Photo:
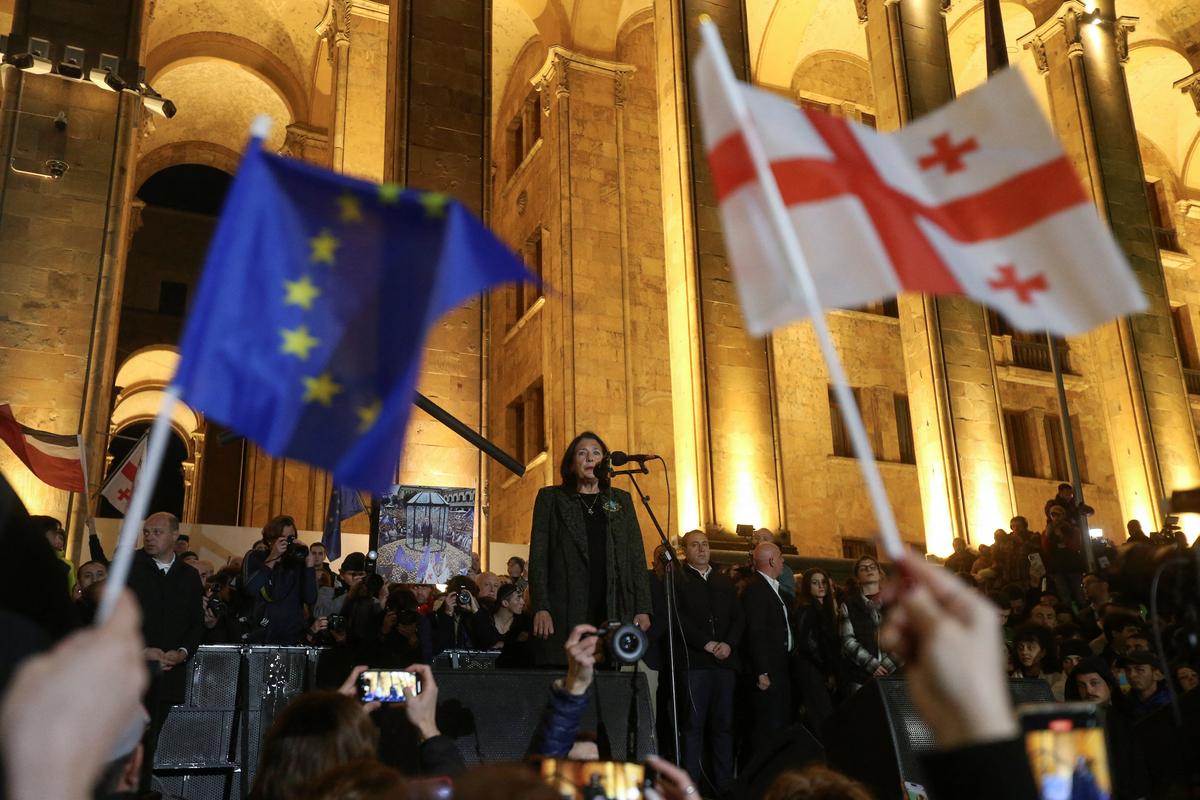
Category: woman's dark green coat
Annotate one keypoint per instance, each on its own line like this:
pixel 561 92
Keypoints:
pixel 558 564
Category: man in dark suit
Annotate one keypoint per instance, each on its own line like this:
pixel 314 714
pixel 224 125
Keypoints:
pixel 710 621
pixel 171 598
pixel 769 643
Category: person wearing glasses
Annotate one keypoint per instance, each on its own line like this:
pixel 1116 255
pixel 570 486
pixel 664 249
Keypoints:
pixel 170 595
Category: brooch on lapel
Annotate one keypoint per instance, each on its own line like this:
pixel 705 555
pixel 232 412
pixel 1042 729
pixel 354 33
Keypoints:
pixel 611 506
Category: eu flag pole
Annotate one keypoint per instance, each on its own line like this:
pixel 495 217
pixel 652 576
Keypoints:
pixel 311 314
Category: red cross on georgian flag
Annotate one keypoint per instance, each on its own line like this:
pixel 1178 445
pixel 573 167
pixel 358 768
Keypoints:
pixel 976 198
pixel 119 486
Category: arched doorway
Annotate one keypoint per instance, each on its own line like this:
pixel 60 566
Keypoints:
pixel 169 491
pixel 178 212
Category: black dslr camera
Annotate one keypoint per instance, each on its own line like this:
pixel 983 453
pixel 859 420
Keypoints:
pixel 296 554
pixel 626 643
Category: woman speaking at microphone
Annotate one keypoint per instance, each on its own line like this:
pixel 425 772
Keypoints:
pixel 586 559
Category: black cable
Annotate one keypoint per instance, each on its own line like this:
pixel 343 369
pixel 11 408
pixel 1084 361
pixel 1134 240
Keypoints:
pixel 678 623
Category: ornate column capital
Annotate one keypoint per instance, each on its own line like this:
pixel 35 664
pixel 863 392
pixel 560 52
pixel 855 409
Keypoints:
pixel 1069 20
pixel 1124 27
pixel 1190 86
pixel 556 73
pixel 1065 21
pixel 860 8
pixel 136 207
pixel 305 143
pixel 334 26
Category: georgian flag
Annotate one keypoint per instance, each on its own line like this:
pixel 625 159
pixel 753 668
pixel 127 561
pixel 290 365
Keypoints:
pixel 55 459
pixel 119 488
pixel 976 198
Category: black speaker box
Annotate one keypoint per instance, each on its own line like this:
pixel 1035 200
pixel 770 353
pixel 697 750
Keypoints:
pixel 877 737
pixel 493 714
pixel 793 747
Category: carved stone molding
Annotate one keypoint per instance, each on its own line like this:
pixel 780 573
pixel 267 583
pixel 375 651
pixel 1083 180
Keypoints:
pixel 136 207
pixel 1190 86
pixel 1065 21
pixel 1124 27
pixel 1038 48
pixel 305 143
pixel 860 8
pixel 334 26
pixel 1188 208
pixel 556 73
pixel 368 9
pixel 1068 21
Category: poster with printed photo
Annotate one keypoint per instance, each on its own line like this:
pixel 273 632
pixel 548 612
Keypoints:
pixel 426 533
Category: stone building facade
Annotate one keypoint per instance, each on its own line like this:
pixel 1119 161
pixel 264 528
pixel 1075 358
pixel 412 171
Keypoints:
pixel 570 127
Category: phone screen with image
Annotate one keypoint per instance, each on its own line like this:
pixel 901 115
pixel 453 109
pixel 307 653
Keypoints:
pixel 387 685
pixel 1067 750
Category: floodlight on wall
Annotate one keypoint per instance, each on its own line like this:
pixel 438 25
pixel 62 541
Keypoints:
pixel 153 100
pixel 35 60
pixel 158 104
pixel 71 64
pixel 106 75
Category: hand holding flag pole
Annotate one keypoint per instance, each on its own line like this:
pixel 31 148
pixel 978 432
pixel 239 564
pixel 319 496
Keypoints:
pixel 781 227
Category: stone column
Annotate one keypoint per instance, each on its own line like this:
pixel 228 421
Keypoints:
pixel 63 240
pixel 724 412
pixel 356 35
pixel 958 426
pixel 1139 373
pixel 436 138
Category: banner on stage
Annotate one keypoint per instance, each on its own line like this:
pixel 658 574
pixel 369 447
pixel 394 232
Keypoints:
pixel 426 533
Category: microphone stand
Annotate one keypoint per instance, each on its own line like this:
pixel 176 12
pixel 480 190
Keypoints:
pixel 669 559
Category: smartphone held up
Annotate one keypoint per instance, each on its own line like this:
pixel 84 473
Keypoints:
pixel 387 685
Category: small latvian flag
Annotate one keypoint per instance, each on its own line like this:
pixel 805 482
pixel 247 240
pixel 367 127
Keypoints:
pixel 53 458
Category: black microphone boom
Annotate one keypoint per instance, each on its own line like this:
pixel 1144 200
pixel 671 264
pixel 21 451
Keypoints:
pixel 620 459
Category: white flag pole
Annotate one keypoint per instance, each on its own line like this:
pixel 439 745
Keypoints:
pixel 889 535
pixel 87 487
pixel 147 477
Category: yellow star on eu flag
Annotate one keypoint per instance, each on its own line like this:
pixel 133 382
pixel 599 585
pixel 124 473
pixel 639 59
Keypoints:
pixel 323 247
pixel 367 415
pixel 435 204
pixel 298 342
pixel 389 193
pixel 301 293
pixel 351 211
pixel 321 389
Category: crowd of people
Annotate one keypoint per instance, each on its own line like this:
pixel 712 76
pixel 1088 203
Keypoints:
pixel 758 647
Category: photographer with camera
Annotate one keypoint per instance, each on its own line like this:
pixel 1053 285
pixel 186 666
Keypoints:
pixel 281 582
pixel 459 623
pixel 226 615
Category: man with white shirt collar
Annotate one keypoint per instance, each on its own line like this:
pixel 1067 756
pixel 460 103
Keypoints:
pixel 170 595
pixel 710 628
pixel 769 643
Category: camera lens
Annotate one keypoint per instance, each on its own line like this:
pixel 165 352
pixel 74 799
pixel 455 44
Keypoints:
pixel 627 644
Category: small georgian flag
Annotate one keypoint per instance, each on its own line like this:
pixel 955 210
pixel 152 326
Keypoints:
pixel 118 489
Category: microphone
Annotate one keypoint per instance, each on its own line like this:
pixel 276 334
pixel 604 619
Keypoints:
pixel 604 468
pixel 619 458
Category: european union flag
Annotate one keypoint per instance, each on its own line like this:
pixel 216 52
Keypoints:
pixel 306 332
pixel 343 504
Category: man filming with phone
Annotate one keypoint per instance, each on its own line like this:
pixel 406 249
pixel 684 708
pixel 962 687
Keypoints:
pixel 281 583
